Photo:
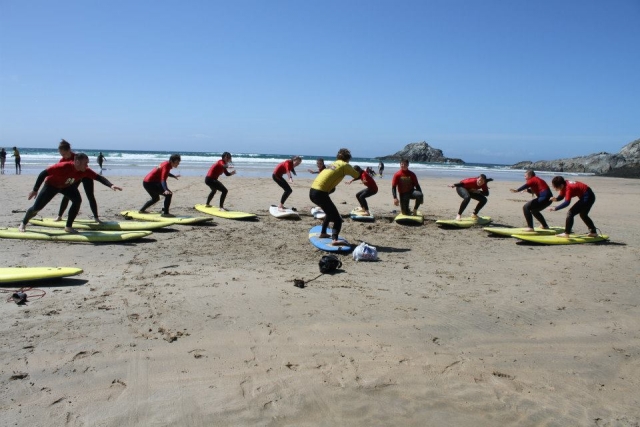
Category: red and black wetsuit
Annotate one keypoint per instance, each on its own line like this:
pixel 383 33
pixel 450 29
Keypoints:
pixel 61 178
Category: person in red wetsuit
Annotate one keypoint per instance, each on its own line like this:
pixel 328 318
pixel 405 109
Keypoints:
pixel 539 188
pixel 370 190
pixel 320 165
pixel 63 178
pixel 408 188
pixel 156 184
pixel 64 148
pixel 586 199
pixel 218 168
pixel 286 167
pixel 472 188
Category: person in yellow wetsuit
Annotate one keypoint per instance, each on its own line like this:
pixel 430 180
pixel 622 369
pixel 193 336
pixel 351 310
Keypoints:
pixel 324 184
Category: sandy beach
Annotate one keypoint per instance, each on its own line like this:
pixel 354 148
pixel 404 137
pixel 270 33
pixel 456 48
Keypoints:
pixel 202 326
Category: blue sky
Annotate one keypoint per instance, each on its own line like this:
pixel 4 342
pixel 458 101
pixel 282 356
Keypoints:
pixel 483 80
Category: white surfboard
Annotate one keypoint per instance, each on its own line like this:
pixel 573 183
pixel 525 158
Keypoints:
pixel 287 213
pixel 318 213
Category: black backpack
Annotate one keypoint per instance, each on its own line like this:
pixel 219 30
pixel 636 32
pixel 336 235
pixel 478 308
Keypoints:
pixel 329 264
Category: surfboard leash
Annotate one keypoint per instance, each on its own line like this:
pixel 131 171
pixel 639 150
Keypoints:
pixel 23 295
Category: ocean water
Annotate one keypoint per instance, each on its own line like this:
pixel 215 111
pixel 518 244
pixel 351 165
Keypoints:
pixel 139 163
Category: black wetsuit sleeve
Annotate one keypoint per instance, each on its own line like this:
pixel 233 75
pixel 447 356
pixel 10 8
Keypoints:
pixel 393 191
pixel 104 181
pixel 40 180
pixel 524 187
pixel 418 188
pixel 457 184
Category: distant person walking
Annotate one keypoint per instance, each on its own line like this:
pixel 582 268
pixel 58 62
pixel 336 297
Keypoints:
pixel 586 199
pixel 155 183
pixel 16 154
pixel 380 168
pixel 539 188
pixel 3 158
pixel 286 167
pixel 101 159
pixel 63 177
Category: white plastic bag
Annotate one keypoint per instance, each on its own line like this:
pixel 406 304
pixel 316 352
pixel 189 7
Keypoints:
pixel 364 252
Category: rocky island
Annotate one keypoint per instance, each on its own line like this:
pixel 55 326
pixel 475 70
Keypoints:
pixel 421 152
pixel 624 164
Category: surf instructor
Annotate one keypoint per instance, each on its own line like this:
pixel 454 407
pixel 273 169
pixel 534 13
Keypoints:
pixel 63 178
pixel 324 184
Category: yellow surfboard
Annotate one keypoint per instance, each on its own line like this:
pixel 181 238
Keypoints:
pixel 88 224
pixel 157 216
pixel 465 222
pixel 510 231
pixel 23 274
pixel 416 219
pixel 555 240
pixel 215 211
pixel 58 235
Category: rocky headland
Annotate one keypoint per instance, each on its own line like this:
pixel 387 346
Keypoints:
pixel 421 152
pixel 624 164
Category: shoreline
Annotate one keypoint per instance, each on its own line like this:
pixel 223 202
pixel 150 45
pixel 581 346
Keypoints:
pixel 203 323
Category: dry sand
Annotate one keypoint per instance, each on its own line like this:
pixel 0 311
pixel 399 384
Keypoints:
pixel 201 325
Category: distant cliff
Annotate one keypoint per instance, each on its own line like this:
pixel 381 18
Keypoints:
pixel 421 152
pixel 624 164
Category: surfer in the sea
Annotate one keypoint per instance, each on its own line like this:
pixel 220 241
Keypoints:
pixel 472 188
pixel 586 199
pixel 370 190
pixel 321 188
pixel 63 178
pixel 405 187
pixel 539 188
pixel 218 168
pixel 286 167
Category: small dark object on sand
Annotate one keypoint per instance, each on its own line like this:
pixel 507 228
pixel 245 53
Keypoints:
pixel 19 298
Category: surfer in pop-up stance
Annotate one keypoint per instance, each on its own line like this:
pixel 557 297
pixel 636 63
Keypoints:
pixel 408 188
pixel 63 178
pixel 539 188
pixel 372 188
pixel 288 167
pixel 64 148
pixel 212 181
pixel 319 164
pixel 472 188
pixel 586 199
pixel 324 184
pixel 156 184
